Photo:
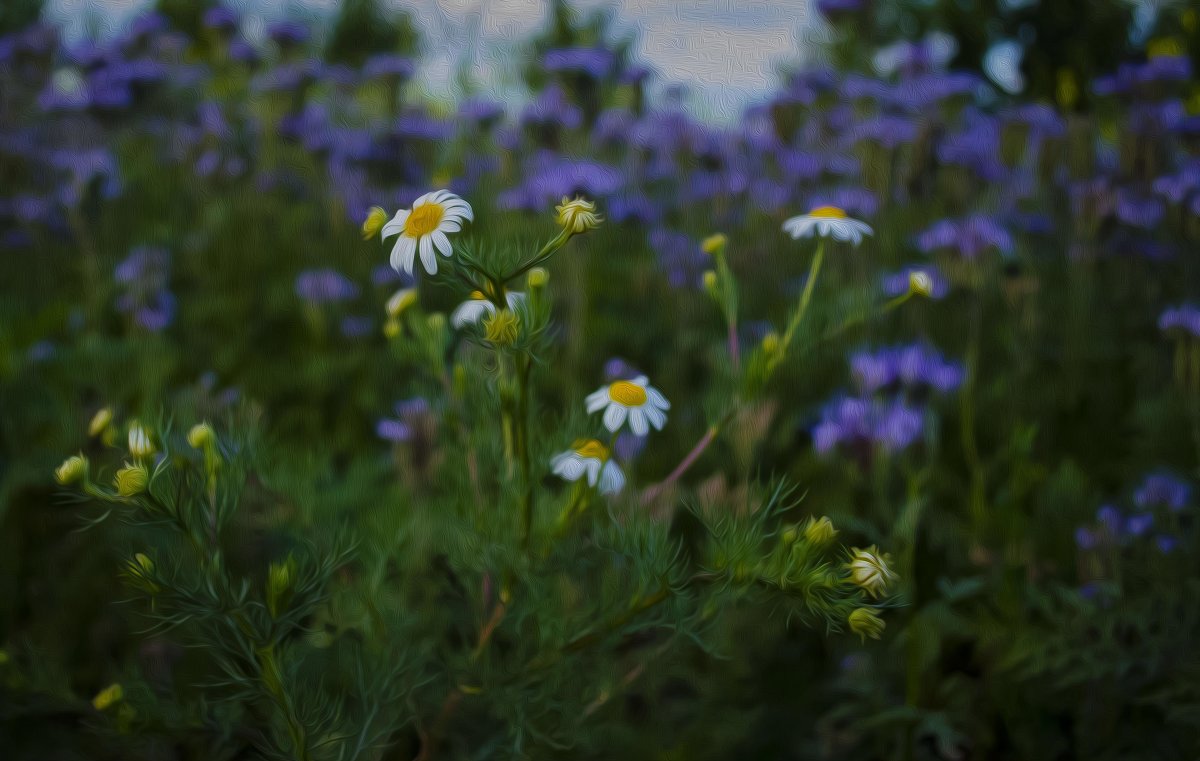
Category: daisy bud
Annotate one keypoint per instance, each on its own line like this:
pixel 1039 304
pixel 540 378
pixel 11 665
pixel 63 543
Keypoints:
pixel 374 222
pixel 131 480
pixel 201 436
pixel 108 697
pixel 400 300
pixel 770 343
pixel 710 282
pixel 140 445
pixel 820 530
pixel 920 283
pixel 790 535
pixel 279 584
pixel 502 328
pixel 391 328
pixel 869 570
pixel 537 278
pixel 578 215
pixel 139 569
pixel 866 623
pixel 73 469
pixel 100 421
pixel 714 244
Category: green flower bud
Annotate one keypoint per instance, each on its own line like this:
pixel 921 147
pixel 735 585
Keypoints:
pixel 819 530
pixel 72 470
pixel 108 697
pixel 502 328
pixel 201 435
pixel 714 244
pixel 132 480
pixel 537 278
pixel 865 622
pixel 100 421
pixel 279 584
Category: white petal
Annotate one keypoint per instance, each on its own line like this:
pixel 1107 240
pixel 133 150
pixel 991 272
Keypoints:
pixel 655 397
pixel 568 465
pixel 470 312
pixel 597 400
pixel 514 299
pixel 593 469
pixel 637 421
pixel 612 480
pixel 427 257
pixel 396 224
pixel 655 416
pixel 450 226
pixel 441 242
pixel 614 416
pixel 403 253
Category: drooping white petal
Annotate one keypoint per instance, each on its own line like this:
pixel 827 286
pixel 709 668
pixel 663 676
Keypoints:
pixel 470 312
pixel 655 397
pixel 593 465
pixel 441 242
pixel 403 253
pixel 614 416
pixel 612 480
pixel 427 257
pixel 655 416
pixel 597 400
pixel 568 465
pixel 637 421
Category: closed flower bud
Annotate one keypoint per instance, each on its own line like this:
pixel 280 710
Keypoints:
pixel 869 570
pixel 920 283
pixel 139 570
pixel 790 535
pixel 201 435
pixel 108 697
pixel 100 421
pixel 399 301
pixel 866 623
pixel 714 244
pixel 391 328
pixel 710 282
pixel 578 215
pixel 820 530
pixel 502 328
pixel 131 480
pixel 373 223
pixel 140 444
pixel 537 278
pixel 770 343
pixel 280 577
pixel 73 469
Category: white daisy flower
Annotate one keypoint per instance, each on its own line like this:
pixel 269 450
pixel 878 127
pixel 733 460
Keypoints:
pixel 590 457
pixel 423 228
pixel 644 405
pixel 478 306
pixel 830 222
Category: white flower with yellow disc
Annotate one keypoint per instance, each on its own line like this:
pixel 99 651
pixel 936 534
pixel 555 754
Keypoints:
pixel 479 306
pixel 423 228
pixel 641 403
pixel 591 458
pixel 827 222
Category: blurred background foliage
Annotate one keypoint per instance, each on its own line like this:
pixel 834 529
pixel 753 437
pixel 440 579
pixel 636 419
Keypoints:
pixel 179 241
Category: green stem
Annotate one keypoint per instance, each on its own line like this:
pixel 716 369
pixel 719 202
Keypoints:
pixel 273 680
pixel 523 447
pixel 805 298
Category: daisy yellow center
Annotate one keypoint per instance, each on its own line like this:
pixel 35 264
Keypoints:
pixel 591 448
pixel 629 394
pixel 829 212
pixel 423 220
pixel 477 296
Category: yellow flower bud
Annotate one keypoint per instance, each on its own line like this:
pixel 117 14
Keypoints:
pixel 865 622
pixel 100 421
pixel 820 530
pixel 920 283
pixel 502 328
pixel 537 278
pixel 391 328
pixel 374 222
pixel 108 697
pixel 578 215
pixel 770 343
pixel 869 570
pixel 140 444
pixel 710 282
pixel 714 244
pixel 399 301
pixel 132 480
pixel 73 469
pixel 201 435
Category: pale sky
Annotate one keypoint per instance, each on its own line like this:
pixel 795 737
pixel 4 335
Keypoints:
pixel 725 51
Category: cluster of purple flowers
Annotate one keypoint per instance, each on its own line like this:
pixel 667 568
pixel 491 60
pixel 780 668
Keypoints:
pixel 1160 496
pixel 143 282
pixel 888 411
pixel 1183 319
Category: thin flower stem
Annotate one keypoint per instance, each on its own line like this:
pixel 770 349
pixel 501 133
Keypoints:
pixel 523 447
pixel 652 492
pixel 805 298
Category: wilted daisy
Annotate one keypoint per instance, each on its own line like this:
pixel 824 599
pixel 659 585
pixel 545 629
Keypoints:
pixel 590 457
pixel 829 222
pixel 643 404
pixel 423 228
pixel 478 306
